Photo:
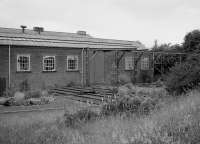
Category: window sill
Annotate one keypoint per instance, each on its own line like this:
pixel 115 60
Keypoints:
pixel 129 69
pixel 23 71
pixel 72 70
pixel 49 71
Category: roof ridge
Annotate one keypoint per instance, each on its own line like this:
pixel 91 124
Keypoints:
pixel 61 36
pixel 59 32
pixel 46 32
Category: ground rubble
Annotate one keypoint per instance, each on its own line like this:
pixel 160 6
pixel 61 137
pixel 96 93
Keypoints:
pixel 21 98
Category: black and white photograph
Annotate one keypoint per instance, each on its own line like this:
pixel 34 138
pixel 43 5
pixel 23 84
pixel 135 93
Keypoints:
pixel 99 72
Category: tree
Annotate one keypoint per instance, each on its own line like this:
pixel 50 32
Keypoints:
pixel 168 48
pixel 192 41
pixel 162 47
pixel 185 76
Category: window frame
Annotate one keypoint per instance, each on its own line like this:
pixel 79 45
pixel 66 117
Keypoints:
pixel 43 64
pixel 132 62
pixel 29 63
pixel 145 63
pixel 77 63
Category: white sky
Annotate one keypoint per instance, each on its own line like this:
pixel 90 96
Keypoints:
pixel 144 20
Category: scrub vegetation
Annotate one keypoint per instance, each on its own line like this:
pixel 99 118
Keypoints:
pixel 176 121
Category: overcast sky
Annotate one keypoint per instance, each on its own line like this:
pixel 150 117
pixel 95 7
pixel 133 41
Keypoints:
pixel 144 20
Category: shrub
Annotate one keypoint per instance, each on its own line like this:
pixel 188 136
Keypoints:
pixel 128 105
pixel 79 118
pixel 124 79
pixel 144 77
pixel 185 76
pixel 33 94
pixel 70 84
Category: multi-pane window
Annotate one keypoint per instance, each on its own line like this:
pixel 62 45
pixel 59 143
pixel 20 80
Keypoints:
pixel 72 62
pixel 129 63
pixel 145 63
pixel 23 62
pixel 49 63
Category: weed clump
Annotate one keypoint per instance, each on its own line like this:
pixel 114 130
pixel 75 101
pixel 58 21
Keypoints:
pixel 128 105
pixel 79 118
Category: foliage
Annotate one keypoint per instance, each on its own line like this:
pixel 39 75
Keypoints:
pixel 70 84
pixel 144 77
pixel 127 105
pixel 192 41
pixel 176 123
pixel 185 76
pixel 134 72
pixel 168 48
pixel 79 118
pixel 33 94
pixel 124 79
pixel 168 58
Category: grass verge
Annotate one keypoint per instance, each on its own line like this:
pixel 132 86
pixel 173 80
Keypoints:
pixel 177 122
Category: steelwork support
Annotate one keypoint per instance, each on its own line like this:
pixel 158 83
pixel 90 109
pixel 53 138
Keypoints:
pixel 82 69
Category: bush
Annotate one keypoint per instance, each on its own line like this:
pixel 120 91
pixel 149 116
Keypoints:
pixel 79 118
pixel 33 94
pixel 70 84
pixel 124 79
pixel 128 105
pixel 144 77
pixel 185 76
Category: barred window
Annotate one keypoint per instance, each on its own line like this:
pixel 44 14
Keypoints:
pixel 145 63
pixel 49 63
pixel 72 63
pixel 23 62
pixel 129 63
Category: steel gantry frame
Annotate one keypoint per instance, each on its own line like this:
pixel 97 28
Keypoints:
pixel 163 61
pixel 160 62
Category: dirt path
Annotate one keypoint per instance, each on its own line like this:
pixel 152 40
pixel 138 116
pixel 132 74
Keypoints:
pixel 30 114
pixel 59 104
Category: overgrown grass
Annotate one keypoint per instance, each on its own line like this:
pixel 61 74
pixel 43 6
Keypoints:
pixel 177 122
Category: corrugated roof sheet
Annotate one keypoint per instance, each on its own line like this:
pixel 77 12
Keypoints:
pixel 61 39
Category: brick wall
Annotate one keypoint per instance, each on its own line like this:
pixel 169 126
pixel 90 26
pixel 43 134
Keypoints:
pixel 101 66
pixel 36 77
pixel 4 63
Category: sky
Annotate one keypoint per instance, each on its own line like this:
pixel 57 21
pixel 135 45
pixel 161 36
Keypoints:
pixel 166 21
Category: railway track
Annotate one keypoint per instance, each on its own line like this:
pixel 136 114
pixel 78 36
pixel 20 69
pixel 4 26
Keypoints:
pixel 95 95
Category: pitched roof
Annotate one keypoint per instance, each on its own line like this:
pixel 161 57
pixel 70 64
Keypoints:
pixel 61 39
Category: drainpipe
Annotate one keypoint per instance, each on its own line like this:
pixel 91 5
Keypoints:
pixel 82 73
pixel 9 64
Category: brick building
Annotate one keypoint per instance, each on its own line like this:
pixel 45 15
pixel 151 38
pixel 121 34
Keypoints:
pixel 45 58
